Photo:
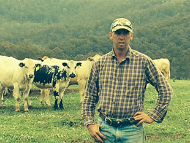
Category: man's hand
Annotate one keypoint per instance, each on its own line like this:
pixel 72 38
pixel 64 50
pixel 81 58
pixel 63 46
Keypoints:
pixel 142 117
pixel 94 131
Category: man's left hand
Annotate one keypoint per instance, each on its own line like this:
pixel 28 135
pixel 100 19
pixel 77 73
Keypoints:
pixel 143 118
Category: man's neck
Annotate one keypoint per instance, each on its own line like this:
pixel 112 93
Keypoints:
pixel 121 54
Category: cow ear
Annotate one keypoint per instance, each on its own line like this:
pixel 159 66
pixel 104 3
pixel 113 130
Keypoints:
pixel 38 65
pixel 90 59
pixel 79 64
pixel 64 64
pixel 21 64
pixel 40 59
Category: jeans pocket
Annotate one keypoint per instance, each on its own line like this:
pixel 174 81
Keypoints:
pixel 101 122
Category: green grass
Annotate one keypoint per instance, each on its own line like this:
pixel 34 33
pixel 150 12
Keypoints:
pixel 176 126
pixel 43 124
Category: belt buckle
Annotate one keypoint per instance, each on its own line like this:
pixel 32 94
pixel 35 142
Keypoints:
pixel 119 122
pixel 108 121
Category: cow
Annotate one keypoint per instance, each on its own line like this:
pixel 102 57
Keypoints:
pixel 82 75
pixel 17 75
pixel 55 74
pixel 164 66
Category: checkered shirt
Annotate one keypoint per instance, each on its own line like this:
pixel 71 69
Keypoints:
pixel 120 87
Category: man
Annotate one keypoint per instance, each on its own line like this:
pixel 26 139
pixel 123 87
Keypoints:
pixel 118 81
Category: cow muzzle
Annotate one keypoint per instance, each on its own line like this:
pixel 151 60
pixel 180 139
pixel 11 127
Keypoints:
pixel 72 75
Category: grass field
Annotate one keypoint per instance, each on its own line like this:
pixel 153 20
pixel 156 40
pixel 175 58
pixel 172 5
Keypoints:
pixel 43 124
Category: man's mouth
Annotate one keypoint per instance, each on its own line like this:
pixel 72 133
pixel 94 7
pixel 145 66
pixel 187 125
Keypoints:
pixel 121 43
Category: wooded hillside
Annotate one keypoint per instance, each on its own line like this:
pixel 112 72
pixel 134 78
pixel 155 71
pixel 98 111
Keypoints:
pixel 76 29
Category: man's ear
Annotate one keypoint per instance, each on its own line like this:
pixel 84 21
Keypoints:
pixel 111 35
pixel 131 36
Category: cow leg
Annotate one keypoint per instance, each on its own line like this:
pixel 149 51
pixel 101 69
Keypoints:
pixel 42 96
pixel 0 99
pixel 61 99
pixel 61 105
pixel 29 102
pixel 56 105
pixel 45 95
pixel 17 97
pixel 46 92
pixel 25 101
pixel 56 95
pixel 1 93
pixel 61 93
pixel 82 89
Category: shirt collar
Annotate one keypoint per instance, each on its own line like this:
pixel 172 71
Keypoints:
pixel 128 55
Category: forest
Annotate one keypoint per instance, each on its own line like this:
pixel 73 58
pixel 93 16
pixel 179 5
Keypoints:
pixel 77 29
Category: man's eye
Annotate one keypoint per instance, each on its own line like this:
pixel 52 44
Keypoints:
pixel 118 32
pixel 124 32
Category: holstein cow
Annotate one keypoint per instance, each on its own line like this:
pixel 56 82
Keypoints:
pixel 83 73
pixel 164 66
pixel 55 74
pixel 17 75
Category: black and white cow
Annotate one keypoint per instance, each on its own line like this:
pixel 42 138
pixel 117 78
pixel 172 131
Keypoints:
pixel 55 74
pixel 17 75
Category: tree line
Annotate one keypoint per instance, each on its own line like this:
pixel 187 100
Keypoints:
pixel 77 29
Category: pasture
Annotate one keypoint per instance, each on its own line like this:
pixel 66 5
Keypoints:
pixel 43 124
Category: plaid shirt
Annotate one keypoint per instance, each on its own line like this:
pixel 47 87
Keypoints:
pixel 120 87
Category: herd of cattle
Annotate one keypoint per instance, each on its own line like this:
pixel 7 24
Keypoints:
pixel 50 74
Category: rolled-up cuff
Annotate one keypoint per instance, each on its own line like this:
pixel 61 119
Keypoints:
pixel 88 121
pixel 157 116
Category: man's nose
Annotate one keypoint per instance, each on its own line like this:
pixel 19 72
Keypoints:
pixel 121 36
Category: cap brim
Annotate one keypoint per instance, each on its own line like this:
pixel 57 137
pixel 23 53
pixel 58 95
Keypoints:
pixel 122 27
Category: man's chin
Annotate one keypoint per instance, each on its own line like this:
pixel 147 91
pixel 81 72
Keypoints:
pixel 121 48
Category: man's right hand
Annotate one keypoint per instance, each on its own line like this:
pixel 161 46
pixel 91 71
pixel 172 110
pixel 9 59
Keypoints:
pixel 94 131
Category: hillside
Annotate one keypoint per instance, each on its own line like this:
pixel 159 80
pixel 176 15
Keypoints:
pixel 79 28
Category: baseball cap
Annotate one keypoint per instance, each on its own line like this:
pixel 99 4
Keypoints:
pixel 121 23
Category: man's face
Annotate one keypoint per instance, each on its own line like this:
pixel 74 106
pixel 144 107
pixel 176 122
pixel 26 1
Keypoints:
pixel 121 39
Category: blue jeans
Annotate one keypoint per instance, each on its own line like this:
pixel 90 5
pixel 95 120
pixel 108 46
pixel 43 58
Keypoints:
pixel 125 134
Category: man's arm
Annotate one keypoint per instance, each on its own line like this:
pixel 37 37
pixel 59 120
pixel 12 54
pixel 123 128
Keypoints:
pixel 165 91
pixel 91 98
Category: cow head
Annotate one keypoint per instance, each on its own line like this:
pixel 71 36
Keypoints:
pixel 70 67
pixel 28 66
pixel 95 58
pixel 42 59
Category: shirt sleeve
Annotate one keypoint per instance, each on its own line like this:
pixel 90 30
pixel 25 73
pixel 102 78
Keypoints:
pixel 164 90
pixel 91 97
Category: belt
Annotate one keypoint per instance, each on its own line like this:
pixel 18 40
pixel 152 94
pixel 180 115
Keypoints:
pixel 118 122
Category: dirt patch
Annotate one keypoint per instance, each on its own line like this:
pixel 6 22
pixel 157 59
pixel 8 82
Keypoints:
pixel 152 137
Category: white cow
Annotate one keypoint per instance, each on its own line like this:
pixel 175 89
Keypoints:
pixel 82 75
pixel 55 74
pixel 164 66
pixel 17 75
